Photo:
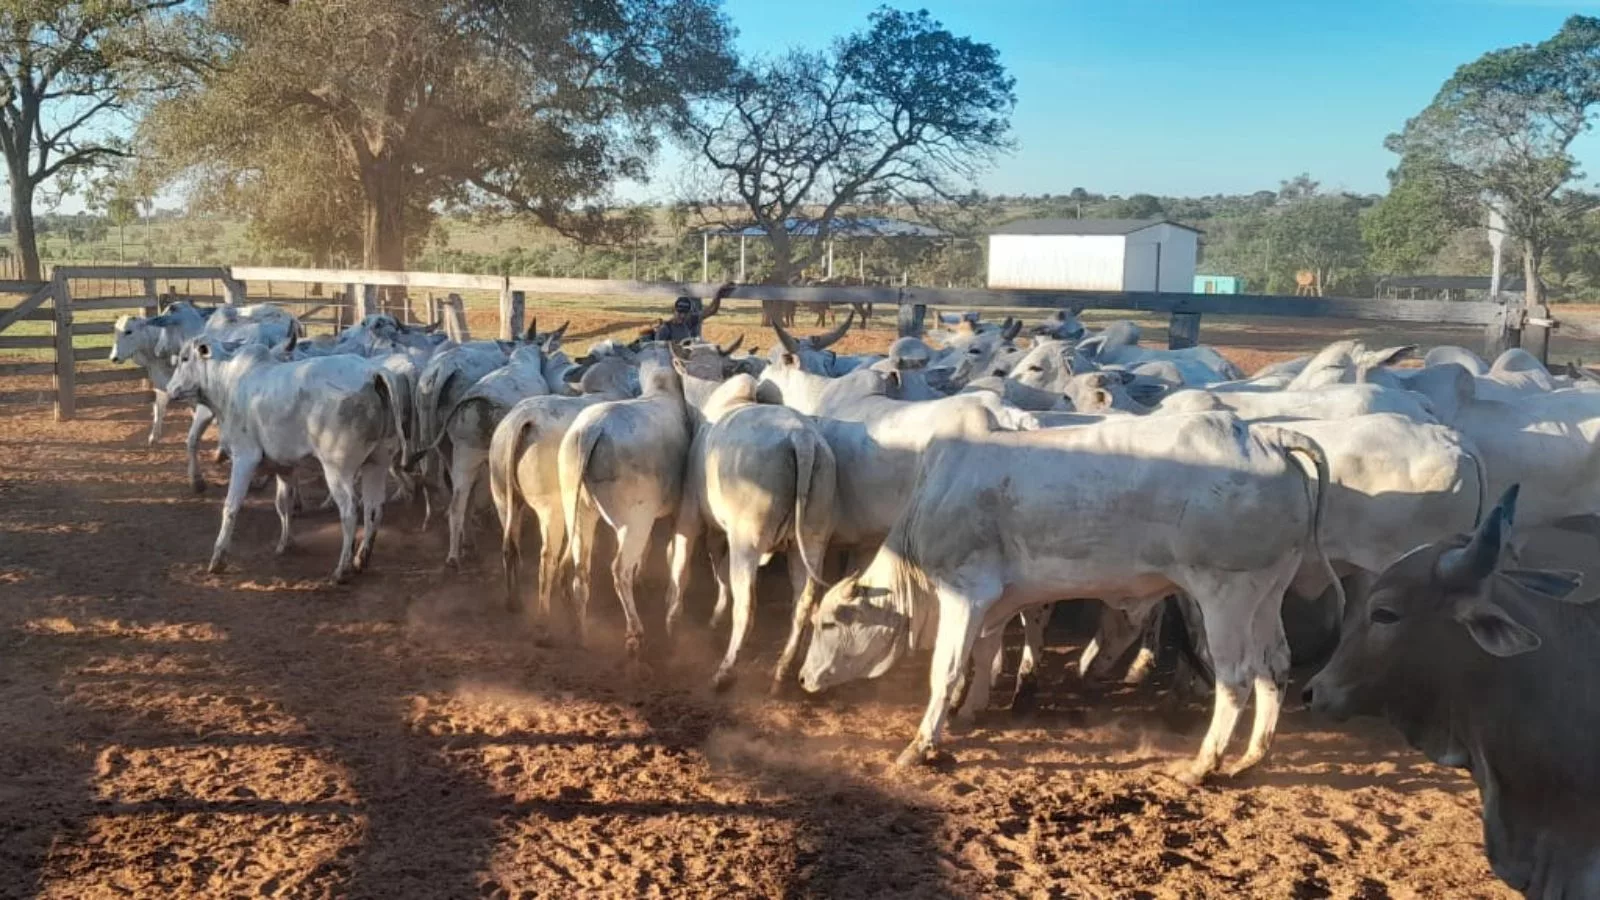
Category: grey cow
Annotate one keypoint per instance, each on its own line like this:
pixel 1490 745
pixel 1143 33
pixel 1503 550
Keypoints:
pixel 342 412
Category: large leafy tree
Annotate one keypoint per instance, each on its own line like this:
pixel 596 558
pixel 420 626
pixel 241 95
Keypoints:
pixel 899 113
pixel 68 70
pixel 1501 130
pixel 1406 230
pixel 1320 234
pixel 390 109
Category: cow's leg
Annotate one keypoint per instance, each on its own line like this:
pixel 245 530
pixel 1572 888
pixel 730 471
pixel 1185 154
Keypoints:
pixel 581 541
pixel 244 468
pixel 633 541
pixel 158 416
pixel 1269 660
pixel 744 560
pixel 465 464
pixel 552 557
pixel 805 601
pixel 960 619
pixel 1144 660
pixel 341 487
pixel 1025 698
pixel 191 445
pixel 1229 605
pixel 685 534
pixel 284 501
pixel 1119 627
pixel 988 663
pixel 374 484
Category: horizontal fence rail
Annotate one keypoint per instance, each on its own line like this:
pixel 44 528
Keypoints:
pixel 357 293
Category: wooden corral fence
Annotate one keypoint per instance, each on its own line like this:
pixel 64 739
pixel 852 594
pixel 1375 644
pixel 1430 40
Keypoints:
pixel 361 292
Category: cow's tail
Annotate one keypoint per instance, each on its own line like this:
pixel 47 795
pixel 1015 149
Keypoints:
pixel 505 448
pixel 444 427
pixel 814 484
pixel 576 448
pixel 389 392
pixel 430 431
pixel 1293 443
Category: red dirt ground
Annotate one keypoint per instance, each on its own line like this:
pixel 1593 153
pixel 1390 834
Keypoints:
pixel 164 732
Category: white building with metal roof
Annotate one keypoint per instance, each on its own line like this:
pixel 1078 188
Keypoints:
pixel 1094 255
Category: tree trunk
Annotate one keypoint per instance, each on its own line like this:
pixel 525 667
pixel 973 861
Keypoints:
pixel 383 233
pixel 1535 339
pixel 22 227
pixel 1532 258
pixel 772 312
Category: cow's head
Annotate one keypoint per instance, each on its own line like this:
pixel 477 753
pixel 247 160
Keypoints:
pixel 132 335
pixel 1063 325
pixel 857 632
pixel 1435 621
pixel 189 369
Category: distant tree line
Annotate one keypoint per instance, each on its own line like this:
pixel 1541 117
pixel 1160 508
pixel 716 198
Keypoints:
pixel 356 131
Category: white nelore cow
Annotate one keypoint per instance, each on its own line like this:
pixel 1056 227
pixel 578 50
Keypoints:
pixel 155 341
pixel 761 478
pixel 622 462
pixel 1133 508
pixel 524 470
pixel 342 412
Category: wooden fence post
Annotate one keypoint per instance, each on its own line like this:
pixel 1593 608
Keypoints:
pixel 455 319
pixel 1537 325
pixel 234 292
pixel 1183 330
pixel 1505 331
pixel 65 375
pixel 911 317
pixel 512 304
pixel 151 295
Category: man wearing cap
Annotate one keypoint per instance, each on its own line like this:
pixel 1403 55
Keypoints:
pixel 686 319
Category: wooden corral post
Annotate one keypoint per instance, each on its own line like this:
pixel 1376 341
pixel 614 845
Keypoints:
pixel 234 291
pixel 912 315
pixel 1183 330
pixel 1537 325
pixel 455 319
pixel 511 312
pixel 435 313
pixel 1505 331
pixel 65 374
pixel 152 297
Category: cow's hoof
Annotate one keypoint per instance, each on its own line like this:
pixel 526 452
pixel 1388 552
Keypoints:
pixel 283 548
pixel 782 688
pixel 914 755
pixel 453 563
pixel 340 576
pixel 1026 700
pixel 1189 774
pixel 721 681
pixel 214 567
pixel 634 645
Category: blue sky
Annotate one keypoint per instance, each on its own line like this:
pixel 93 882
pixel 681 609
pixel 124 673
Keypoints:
pixel 1190 97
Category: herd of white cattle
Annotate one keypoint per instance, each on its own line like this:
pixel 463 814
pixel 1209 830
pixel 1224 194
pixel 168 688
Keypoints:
pixel 971 478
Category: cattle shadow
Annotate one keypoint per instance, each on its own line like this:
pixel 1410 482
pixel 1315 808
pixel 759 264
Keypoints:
pixel 425 821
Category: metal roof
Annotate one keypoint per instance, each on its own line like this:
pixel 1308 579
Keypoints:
pixel 867 226
pixel 1085 226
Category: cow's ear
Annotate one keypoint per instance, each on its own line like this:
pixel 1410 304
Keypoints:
pixel 1494 629
pixel 1554 584
pixel 1102 399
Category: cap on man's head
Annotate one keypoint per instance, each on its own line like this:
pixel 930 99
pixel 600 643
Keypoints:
pixel 682 304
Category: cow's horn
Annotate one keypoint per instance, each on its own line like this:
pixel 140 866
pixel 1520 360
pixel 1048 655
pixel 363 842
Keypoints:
pixel 533 331
pixel 728 351
pixel 824 341
pixel 1466 566
pixel 681 350
pixel 1012 330
pixel 786 339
